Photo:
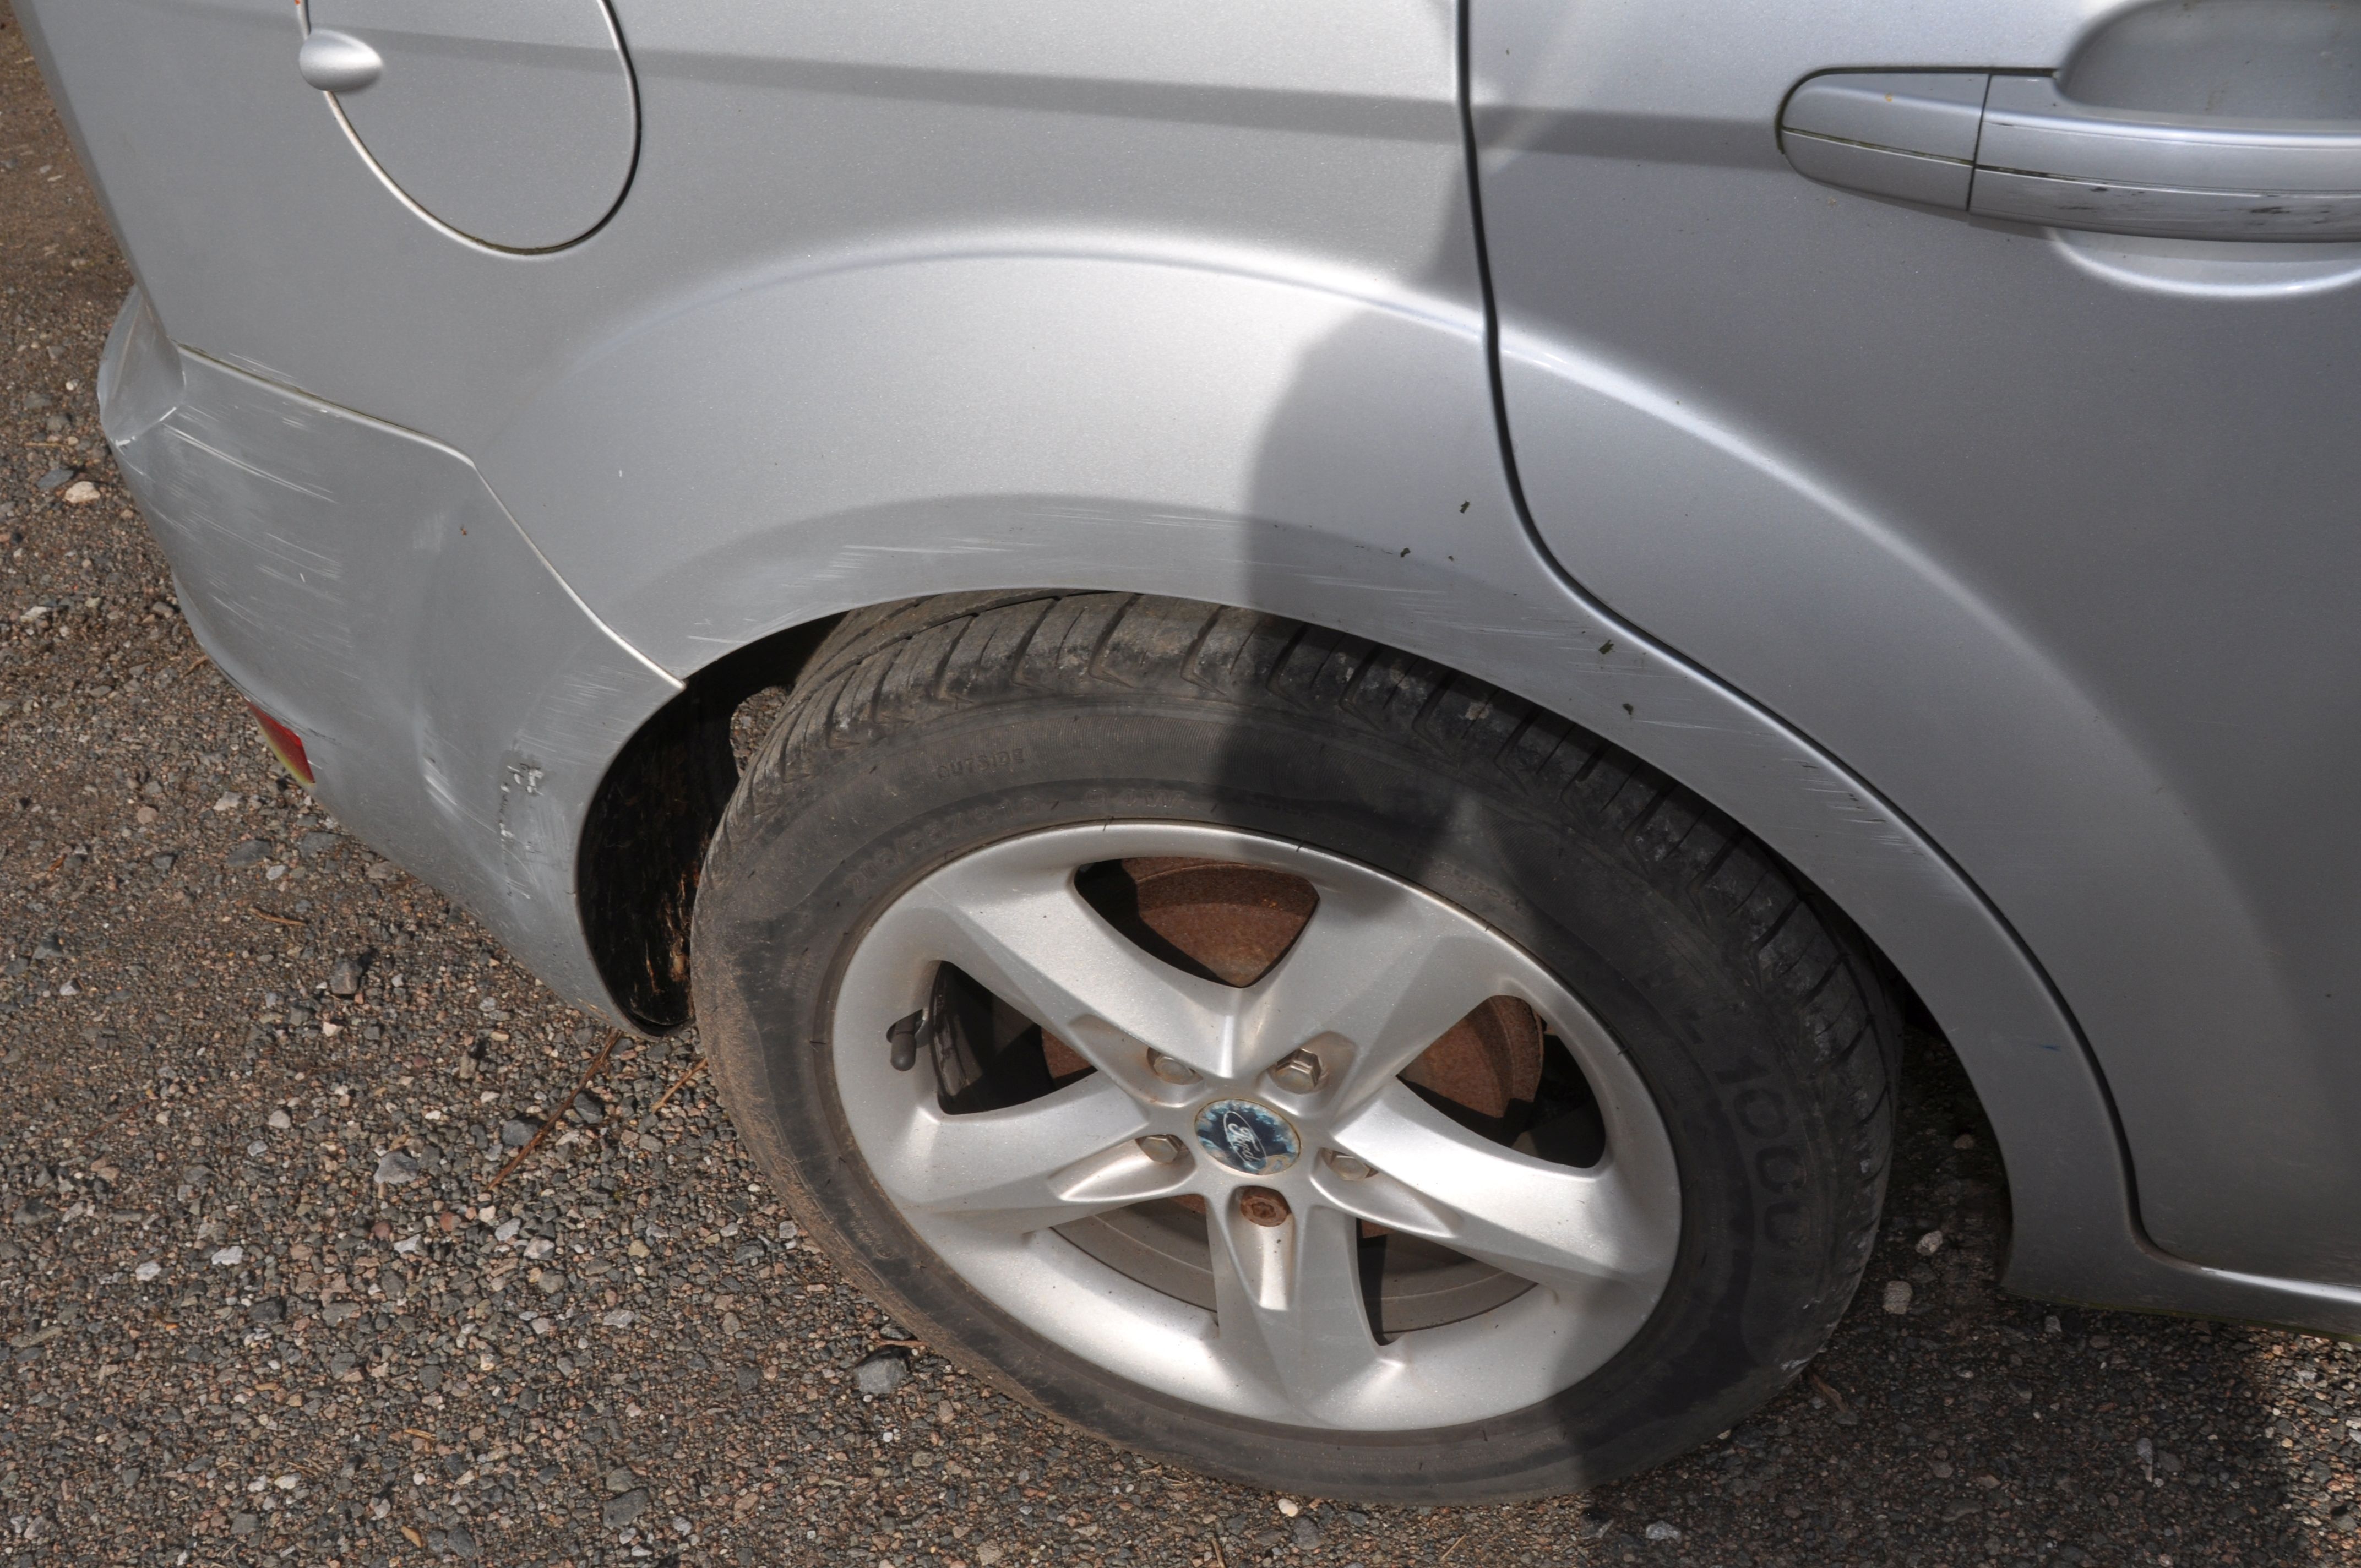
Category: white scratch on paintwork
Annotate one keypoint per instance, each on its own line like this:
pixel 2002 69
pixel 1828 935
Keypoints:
pixel 176 434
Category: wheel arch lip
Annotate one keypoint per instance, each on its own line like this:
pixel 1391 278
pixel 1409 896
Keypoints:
pixel 2075 1232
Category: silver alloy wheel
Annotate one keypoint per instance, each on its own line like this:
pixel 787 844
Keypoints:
pixel 1380 971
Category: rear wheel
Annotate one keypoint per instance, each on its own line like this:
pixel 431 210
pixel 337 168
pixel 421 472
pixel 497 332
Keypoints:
pixel 1279 1054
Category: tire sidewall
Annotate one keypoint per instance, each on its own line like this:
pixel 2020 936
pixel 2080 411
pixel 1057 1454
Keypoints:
pixel 824 838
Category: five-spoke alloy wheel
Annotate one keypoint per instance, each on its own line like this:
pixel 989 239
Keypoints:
pixel 1278 1112
pixel 1281 1055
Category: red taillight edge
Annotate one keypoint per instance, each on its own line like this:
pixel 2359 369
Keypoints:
pixel 285 744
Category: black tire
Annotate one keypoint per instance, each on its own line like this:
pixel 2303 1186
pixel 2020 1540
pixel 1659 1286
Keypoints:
pixel 1755 1014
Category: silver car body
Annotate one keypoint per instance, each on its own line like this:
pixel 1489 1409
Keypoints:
pixel 1997 576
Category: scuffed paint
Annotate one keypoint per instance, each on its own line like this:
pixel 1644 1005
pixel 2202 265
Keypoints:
pixel 364 584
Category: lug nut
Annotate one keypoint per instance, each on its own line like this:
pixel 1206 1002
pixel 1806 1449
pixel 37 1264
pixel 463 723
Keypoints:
pixel 1171 1069
pixel 1162 1147
pixel 1299 1072
pixel 1351 1167
pixel 1261 1206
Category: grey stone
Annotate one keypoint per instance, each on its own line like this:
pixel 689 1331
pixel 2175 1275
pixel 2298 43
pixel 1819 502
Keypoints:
pixel 620 1480
pixel 161 862
pixel 1307 1533
pixel 621 1511
pixel 516 1135
pixel 344 978
pixel 882 1373
pixel 247 852
pixel 246 1524
pixel 317 843
pixel 397 1167
pixel 52 946
pixel 52 480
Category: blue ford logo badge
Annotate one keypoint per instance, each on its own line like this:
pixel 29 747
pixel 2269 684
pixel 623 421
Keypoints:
pixel 1247 1137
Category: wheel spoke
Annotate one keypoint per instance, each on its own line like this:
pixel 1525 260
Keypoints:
pixel 1047 1162
pixel 1384 970
pixel 1288 1305
pixel 1033 942
pixel 1574 1230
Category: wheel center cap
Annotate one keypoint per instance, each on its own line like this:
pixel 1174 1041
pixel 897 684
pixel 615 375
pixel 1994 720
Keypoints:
pixel 1248 1136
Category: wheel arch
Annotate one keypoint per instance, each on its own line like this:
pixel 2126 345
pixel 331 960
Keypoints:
pixel 655 811
pixel 1111 423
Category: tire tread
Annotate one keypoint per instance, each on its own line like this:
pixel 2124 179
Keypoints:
pixel 891 665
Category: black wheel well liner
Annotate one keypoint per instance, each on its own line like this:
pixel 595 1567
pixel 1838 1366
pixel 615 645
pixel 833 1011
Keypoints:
pixel 644 836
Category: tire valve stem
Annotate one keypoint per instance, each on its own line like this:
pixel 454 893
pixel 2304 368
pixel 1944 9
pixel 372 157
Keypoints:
pixel 905 1035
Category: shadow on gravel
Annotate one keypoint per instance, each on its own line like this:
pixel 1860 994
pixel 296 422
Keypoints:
pixel 1976 1427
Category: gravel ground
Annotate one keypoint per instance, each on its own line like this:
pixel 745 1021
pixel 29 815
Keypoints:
pixel 265 1298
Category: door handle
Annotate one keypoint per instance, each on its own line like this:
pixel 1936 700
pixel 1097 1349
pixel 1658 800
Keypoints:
pixel 2045 160
pixel 2026 153
pixel 337 62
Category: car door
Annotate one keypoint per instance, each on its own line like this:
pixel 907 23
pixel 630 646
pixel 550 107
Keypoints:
pixel 1993 427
